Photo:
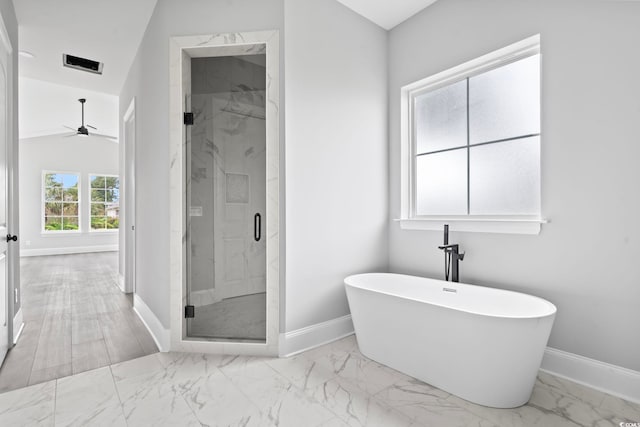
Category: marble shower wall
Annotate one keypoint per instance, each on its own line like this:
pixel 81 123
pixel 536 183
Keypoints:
pixel 228 178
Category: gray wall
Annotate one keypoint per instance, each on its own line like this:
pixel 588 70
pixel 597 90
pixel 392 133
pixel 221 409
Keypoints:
pixel 336 156
pixel 11 23
pixel 586 260
pixel 148 81
pixel 90 155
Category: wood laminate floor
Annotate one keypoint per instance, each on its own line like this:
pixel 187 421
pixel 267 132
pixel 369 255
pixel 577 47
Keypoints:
pixel 75 319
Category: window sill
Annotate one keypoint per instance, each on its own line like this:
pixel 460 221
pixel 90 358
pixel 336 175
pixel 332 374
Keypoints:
pixel 476 225
pixel 76 233
pixel 60 233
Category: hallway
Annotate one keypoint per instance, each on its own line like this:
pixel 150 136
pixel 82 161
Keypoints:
pixel 75 319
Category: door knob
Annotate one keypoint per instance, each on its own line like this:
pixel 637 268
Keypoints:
pixel 10 238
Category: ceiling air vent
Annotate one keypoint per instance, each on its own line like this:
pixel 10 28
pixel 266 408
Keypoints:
pixel 82 64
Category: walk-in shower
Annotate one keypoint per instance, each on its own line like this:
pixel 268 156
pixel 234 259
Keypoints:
pixel 226 198
pixel 224 193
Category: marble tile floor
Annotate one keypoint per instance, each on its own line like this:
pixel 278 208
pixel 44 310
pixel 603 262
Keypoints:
pixel 331 386
pixel 241 317
pixel 76 319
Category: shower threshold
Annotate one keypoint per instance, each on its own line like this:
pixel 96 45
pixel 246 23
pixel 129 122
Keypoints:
pixel 236 319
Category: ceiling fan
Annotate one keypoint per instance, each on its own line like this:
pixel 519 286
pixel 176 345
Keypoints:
pixel 83 131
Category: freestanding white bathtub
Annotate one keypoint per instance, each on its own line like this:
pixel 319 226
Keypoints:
pixel 482 344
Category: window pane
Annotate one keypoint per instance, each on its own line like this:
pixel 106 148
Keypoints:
pixel 111 182
pixel 97 181
pixel 111 195
pixel 53 209
pixel 53 223
pixel 441 118
pixel 70 194
pixel 111 209
pixel 97 209
pixel 70 209
pixel 441 183
pixel 70 223
pixel 112 223
pixel 98 195
pixel 98 222
pixel 69 180
pixel 53 180
pixel 53 194
pixel 505 178
pixel 505 102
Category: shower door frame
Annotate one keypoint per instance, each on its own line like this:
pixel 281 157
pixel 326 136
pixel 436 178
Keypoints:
pixel 181 50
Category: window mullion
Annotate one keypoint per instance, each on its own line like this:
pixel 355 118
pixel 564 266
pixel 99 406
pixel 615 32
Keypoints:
pixel 468 156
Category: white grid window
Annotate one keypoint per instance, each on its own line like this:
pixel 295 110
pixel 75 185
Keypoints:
pixel 105 202
pixel 60 202
pixel 473 139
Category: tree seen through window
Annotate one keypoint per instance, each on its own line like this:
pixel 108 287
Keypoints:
pixel 105 202
pixel 61 202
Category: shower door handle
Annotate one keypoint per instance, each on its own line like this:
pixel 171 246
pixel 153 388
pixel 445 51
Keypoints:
pixel 257 227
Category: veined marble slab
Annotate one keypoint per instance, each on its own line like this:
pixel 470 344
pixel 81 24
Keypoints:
pixel 331 386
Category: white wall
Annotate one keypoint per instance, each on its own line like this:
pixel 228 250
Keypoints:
pixel 85 155
pixel 148 82
pixel 585 260
pixel 46 108
pixel 336 156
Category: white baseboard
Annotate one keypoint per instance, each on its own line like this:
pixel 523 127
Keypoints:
pixel 304 339
pixel 121 283
pixel 158 332
pixel 611 379
pixel 18 326
pixel 68 250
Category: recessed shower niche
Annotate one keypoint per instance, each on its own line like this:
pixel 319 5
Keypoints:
pixel 227 168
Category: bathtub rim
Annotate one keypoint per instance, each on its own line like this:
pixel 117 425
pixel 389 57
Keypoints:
pixel 552 308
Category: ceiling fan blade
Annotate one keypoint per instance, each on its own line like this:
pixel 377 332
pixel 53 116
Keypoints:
pixel 73 134
pixel 104 136
pixel 92 127
pixel 69 127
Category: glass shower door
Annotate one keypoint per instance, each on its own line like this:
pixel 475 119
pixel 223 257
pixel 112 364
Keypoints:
pixel 226 198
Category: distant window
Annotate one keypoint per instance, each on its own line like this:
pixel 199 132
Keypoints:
pixel 61 202
pixel 105 202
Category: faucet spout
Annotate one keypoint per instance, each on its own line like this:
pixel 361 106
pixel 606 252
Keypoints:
pixel 452 257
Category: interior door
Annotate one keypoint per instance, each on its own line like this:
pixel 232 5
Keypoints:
pixel 5 317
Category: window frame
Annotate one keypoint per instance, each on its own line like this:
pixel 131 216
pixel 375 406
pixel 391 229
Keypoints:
pixel 519 224
pixel 43 203
pixel 89 199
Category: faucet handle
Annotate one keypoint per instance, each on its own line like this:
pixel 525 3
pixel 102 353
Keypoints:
pixel 447 247
pixel 460 256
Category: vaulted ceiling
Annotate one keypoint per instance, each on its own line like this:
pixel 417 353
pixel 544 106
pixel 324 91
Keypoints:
pixel 111 31
pixel 105 31
pixel 387 13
